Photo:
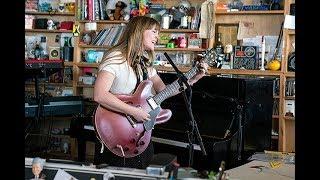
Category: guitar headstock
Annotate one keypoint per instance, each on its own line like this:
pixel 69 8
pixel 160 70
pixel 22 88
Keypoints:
pixel 211 57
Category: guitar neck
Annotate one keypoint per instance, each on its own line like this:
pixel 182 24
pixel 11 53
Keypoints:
pixel 173 87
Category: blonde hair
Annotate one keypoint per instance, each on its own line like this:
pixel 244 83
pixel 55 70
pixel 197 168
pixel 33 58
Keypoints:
pixel 131 42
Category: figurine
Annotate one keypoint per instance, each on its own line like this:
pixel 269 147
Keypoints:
pixel 50 24
pixel 37 167
pixel 118 13
pixel 179 12
pixel 182 42
pixel 61 7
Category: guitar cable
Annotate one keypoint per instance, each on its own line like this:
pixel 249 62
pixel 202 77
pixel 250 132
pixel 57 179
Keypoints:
pixel 122 152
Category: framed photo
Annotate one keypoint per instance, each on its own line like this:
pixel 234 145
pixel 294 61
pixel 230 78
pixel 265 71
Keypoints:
pixel 93 56
pixel 194 41
pixel 229 33
pixel 31 5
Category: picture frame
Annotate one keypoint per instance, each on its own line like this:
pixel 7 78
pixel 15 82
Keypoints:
pixel 229 33
pixel 194 41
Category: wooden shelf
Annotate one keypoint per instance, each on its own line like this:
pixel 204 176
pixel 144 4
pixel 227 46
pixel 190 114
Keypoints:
pixel 179 49
pixel 50 84
pixel 213 71
pixel 93 46
pixel 289 118
pixel 103 21
pixel 273 12
pixel 290 74
pixel 244 72
pixel 290 98
pixel 180 30
pixel 264 21
pixel 275 116
pixel 48 31
pixel 291 31
pixel 85 86
pixel 170 69
pixel 50 13
pixel 66 63
pixel 85 64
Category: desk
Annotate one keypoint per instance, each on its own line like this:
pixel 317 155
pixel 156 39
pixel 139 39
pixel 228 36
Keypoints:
pixel 244 172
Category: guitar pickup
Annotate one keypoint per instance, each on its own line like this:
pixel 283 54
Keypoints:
pixel 152 103
pixel 132 123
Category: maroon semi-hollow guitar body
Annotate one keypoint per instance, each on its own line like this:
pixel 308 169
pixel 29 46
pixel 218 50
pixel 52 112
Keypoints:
pixel 125 137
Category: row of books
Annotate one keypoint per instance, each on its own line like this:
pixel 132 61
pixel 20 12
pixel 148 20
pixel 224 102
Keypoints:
pixel 108 36
pixel 290 87
pixel 276 86
pixel 275 107
pixel 92 10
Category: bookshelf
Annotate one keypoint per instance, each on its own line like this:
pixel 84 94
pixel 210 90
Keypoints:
pixel 287 91
pixel 52 85
pixel 54 40
pixel 80 66
pixel 265 22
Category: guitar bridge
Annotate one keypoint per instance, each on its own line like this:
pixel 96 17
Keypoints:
pixel 152 103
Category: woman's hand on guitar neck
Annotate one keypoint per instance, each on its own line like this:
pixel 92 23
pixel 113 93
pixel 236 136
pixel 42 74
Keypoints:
pixel 140 114
pixel 203 68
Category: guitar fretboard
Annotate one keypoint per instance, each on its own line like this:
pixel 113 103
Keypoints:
pixel 173 87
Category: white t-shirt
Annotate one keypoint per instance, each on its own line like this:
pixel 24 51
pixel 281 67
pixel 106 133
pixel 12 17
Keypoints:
pixel 125 78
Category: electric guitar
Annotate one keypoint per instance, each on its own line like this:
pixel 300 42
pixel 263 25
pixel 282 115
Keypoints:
pixel 121 133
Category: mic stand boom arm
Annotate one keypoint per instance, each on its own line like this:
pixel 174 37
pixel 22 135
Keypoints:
pixel 182 80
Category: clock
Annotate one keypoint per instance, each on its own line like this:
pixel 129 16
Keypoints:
pixel 54 53
pixel 250 51
pixel 291 62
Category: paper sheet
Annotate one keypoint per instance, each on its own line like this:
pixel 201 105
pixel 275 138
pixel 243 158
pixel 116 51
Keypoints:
pixel 63 175
pixel 289 22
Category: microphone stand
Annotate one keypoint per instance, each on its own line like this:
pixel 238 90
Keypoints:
pixel 182 80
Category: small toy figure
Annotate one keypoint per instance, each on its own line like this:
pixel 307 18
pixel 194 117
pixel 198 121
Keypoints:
pixel 50 24
pixel 37 167
pixel 118 13
pixel 182 42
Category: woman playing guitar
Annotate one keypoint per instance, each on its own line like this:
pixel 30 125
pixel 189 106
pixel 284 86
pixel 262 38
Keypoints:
pixel 122 98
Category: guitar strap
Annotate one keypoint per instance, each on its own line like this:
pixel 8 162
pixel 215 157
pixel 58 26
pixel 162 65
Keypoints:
pixel 141 71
